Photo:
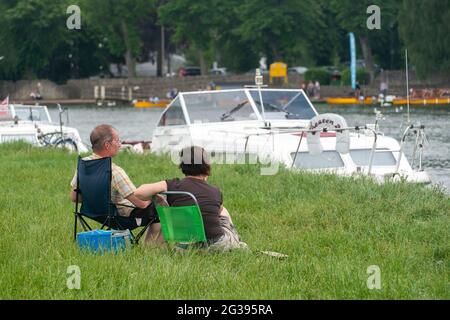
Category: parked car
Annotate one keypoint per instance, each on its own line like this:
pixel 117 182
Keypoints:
pixel 263 71
pixel 361 64
pixel 189 71
pixel 218 72
pixel 297 70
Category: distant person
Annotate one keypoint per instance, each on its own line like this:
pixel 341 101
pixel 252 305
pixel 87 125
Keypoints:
pixel 317 89
pixel 35 96
pixel 220 231
pixel 384 88
pixel 310 89
pixel 154 99
pixel 357 91
pixel 106 143
pixel 211 86
pixel 38 91
pixel 172 93
pixel 303 86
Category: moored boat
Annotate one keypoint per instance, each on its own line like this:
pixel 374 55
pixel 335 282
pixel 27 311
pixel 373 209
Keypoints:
pixel 350 100
pixel 151 104
pixel 34 125
pixel 280 127
pixel 423 102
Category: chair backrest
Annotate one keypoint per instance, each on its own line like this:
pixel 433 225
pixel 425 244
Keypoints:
pixel 94 185
pixel 182 224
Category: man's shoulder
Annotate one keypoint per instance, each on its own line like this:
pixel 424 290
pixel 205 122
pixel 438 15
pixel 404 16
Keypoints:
pixel 117 169
pixel 92 156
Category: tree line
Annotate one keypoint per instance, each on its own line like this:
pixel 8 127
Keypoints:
pixel 36 43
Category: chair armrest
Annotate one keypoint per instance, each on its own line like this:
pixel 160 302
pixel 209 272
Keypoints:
pixel 180 192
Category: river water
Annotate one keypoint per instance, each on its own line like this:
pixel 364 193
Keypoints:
pixel 138 124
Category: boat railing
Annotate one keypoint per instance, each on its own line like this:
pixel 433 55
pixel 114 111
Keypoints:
pixel 419 132
pixel 355 128
pixel 304 131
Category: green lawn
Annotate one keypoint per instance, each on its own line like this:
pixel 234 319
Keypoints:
pixel 332 228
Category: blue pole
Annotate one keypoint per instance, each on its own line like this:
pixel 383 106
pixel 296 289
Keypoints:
pixel 353 59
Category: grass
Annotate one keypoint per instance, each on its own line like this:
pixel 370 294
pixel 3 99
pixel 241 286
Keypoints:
pixel 332 228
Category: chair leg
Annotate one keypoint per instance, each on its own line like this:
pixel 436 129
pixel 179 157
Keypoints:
pixel 138 237
pixel 75 228
pixel 107 223
pixel 85 225
pixel 141 233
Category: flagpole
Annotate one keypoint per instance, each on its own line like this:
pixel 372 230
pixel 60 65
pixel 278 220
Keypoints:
pixel 407 83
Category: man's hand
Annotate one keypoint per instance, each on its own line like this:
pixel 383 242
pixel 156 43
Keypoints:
pixel 73 196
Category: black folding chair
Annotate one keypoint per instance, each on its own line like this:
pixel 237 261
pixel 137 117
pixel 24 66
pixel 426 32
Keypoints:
pixel 94 187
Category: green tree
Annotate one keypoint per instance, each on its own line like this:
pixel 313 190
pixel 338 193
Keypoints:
pixel 195 24
pixel 424 29
pixel 238 32
pixel 30 31
pixel 282 29
pixel 119 22
pixel 36 42
pixel 352 16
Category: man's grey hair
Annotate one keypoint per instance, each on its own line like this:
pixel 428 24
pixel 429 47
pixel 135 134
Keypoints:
pixel 100 135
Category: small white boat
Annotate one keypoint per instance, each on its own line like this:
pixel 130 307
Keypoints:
pixel 34 125
pixel 279 126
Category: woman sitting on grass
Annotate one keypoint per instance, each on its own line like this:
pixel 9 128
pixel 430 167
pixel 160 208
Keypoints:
pixel 219 229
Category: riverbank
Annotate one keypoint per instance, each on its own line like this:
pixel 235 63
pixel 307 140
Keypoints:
pixel 126 90
pixel 332 228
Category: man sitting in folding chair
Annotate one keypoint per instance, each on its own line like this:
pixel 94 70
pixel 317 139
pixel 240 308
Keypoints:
pixel 119 208
pixel 221 234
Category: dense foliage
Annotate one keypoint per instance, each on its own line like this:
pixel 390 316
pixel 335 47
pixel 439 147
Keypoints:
pixel 362 76
pixel 35 43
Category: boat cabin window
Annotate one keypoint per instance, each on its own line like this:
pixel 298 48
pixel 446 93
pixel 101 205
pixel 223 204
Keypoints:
pixel 31 113
pixel 173 116
pixel 219 106
pixel 283 104
pixel 381 158
pixel 324 160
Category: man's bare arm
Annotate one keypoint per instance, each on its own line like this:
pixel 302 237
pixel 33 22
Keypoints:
pixel 138 202
pixel 146 191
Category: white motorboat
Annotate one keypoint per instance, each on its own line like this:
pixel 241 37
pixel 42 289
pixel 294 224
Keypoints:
pixel 34 125
pixel 279 126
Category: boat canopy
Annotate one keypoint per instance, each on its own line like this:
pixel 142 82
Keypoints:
pixel 237 105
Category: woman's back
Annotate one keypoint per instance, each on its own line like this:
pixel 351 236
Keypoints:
pixel 209 199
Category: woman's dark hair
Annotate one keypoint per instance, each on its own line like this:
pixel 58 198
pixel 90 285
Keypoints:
pixel 195 161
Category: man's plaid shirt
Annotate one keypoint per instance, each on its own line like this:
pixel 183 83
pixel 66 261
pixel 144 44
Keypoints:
pixel 121 187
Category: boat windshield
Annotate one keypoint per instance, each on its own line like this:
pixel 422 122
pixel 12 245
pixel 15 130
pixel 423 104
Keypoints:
pixel 31 113
pixel 236 105
pixel 283 104
pixel 219 106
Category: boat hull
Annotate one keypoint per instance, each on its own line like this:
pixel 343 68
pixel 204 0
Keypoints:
pixel 149 104
pixel 352 101
pixel 423 102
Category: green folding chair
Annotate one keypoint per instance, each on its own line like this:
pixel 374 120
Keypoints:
pixel 182 225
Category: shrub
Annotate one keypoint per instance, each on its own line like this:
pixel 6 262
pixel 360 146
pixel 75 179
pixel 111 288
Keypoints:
pixel 319 74
pixel 362 76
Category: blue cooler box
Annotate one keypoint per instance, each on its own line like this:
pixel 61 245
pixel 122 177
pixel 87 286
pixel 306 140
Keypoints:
pixel 104 241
